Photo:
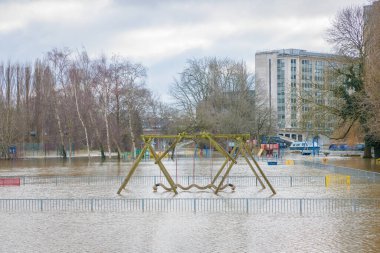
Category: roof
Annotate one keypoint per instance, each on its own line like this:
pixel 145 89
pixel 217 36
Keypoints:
pixel 296 52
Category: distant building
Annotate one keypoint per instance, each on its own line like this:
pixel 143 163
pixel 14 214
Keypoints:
pixel 282 76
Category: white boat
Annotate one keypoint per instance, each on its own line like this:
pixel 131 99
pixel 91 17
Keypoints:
pixel 306 148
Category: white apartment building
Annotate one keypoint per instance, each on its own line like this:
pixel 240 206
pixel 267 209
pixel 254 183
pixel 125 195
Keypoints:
pixel 282 76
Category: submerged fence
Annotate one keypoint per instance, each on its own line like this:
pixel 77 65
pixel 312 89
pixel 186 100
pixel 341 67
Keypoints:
pixel 279 181
pixel 236 205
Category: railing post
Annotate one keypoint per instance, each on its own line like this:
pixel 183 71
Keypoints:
pixel 41 205
pixel 142 205
pixel 92 205
pixel 300 206
pixel 195 205
pixel 246 201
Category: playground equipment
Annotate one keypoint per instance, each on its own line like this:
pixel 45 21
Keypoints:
pixel 240 148
pixel 271 150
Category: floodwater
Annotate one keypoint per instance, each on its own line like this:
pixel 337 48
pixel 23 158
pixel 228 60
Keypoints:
pixel 356 162
pixel 344 160
pixel 71 231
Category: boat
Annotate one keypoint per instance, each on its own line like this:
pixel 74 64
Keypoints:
pixel 306 148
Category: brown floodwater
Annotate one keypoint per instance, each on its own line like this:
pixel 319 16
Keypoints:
pixel 158 231
pixel 356 163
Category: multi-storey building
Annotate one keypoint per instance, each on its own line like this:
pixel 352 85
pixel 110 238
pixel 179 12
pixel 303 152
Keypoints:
pixel 283 77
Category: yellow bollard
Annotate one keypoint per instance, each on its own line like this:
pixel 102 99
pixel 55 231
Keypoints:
pixel 289 162
pixel 337 179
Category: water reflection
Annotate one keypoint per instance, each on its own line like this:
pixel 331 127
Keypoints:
pixel 355 162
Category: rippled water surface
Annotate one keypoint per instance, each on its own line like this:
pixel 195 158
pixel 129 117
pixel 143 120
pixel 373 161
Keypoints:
pixel 180 232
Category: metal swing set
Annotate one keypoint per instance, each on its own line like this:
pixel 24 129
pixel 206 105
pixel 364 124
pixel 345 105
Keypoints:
pixel 240 148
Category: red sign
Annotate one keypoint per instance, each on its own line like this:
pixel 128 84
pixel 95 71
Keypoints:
pixel 10 181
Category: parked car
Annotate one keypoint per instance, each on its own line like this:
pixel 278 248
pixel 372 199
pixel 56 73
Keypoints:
pixel 345 147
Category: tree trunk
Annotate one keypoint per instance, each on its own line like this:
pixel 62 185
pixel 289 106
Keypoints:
pixel 81 121
pixel 102 154
pixel 377 149
pixel 70 148
pixel 61 134
pixel 130 125
pixel 367 150
pixel 107 132
pixel 98 136
pixel 27 92
pixel 118 148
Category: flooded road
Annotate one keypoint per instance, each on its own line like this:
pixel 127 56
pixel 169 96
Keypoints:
pixel 163 231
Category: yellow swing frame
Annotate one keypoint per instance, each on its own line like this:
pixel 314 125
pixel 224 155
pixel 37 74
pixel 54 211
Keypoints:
pixel 239 149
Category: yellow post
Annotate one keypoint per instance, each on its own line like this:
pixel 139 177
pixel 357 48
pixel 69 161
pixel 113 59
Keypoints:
pixel 348 180
pixel 327 180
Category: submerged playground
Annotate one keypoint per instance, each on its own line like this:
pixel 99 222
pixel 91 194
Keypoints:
pixel 174 197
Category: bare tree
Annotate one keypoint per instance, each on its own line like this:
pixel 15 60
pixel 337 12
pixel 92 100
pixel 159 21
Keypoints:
pixel 76 79
pixel 106 99
pixel 347 34
pixel 265 118
pixel 59 63
pixel 216 95
pixel 102 85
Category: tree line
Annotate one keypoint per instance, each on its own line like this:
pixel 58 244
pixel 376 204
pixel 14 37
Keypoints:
pixel 69 98
pixel 103 103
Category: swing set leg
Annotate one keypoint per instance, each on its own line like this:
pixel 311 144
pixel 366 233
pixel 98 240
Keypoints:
pixel 259 169
pixel 133 169
pixel 222 168
pixel 244 153
pixel 227 172
pixel 163 169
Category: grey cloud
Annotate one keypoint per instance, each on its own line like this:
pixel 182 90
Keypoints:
pixel 179 29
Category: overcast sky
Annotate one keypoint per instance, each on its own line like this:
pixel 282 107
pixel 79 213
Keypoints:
pixel 162 34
